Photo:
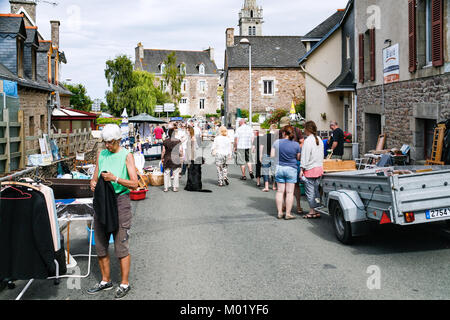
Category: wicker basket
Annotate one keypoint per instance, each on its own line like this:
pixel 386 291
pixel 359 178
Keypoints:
pixel 156 179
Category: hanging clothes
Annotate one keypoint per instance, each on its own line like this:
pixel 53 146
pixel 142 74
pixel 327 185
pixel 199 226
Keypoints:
pixel 26 242
pixel 105 206
pixel 52 213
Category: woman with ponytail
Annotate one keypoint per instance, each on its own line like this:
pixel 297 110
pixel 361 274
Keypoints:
pixel 312 168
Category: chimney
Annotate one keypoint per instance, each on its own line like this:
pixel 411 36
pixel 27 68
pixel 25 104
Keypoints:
pixel 211 53
pixel 28 6
pixel 230 37
pixel 55 33
pixel 139 56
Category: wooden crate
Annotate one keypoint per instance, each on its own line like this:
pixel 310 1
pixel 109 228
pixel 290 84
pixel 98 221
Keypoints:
pixel 339 165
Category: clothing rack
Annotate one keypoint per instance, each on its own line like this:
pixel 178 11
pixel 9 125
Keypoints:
pixel 11 282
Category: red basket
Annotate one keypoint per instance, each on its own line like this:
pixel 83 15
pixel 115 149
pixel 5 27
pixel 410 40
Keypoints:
pixel 138 195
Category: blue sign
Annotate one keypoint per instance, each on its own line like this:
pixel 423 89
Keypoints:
pixel 176 119
pixel 10 88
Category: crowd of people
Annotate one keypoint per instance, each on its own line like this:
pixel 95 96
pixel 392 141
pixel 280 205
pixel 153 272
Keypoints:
pixel 285 157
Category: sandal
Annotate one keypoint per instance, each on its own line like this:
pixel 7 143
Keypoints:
pixel 300 212
pixel 265 190
pixel 290 217
pixel 280 216
pixel 312 216
pixel 243 178
pixel 252 176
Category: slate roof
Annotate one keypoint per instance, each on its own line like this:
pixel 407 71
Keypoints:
pixel 343 83
pixel 24 82
pixel 32 37
pixel 322 29
pixel 153 58
pixel 267 52
pixel 10 24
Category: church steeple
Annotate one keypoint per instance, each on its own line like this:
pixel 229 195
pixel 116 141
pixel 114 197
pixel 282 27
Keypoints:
pixel 251 19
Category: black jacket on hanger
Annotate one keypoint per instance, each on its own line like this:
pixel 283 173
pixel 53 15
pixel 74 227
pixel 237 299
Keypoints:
pixel 105 206
pixel 26 243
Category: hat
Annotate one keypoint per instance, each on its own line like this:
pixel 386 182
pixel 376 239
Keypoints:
pixel 285 121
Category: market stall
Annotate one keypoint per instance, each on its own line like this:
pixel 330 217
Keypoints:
pixel 144 141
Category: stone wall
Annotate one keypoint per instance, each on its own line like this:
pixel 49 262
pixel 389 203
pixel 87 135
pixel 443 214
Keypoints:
pixel 289 85
pixel 406 103
pixel 34 106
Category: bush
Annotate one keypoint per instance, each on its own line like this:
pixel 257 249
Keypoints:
pixel 109 121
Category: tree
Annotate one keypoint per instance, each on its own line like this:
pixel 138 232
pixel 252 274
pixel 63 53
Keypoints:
pixel 119 74
pixel 79 100
pixel 134 90
pixel 173 77
pixel 143 93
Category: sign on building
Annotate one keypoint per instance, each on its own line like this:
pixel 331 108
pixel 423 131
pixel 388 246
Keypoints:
pixel 391 65
pixel 9 88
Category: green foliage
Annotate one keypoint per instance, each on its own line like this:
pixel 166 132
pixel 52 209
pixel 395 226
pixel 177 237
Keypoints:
pixel 104 107
pixel 134 90
pixel 301 108
pixel 265 125
pixel 119 75
pixel 277 115
pixel 173 77
pixel 109 121
pixel 79 100
pixel 186 117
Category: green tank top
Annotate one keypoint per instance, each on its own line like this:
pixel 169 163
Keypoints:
pixel 116 164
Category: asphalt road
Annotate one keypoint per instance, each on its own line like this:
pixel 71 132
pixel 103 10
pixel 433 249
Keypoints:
pixel 229 245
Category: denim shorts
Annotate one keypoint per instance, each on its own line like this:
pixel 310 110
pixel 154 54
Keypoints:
pixel 286 175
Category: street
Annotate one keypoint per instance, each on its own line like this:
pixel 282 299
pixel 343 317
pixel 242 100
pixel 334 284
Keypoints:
pixel 229 245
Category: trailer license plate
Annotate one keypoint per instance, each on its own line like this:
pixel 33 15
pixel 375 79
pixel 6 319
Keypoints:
pixel 438 213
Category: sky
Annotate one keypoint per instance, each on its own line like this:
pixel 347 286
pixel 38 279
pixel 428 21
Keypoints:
pixel 94 31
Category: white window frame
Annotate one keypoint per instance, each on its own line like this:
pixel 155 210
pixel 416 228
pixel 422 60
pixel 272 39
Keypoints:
pixel 202 89
pixel 184 101
pixel 202 106
pixel 201 69
pixel 163 86
pixel 184 86
pixel 264 81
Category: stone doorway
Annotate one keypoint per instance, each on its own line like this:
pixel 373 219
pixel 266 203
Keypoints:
pixel 372 130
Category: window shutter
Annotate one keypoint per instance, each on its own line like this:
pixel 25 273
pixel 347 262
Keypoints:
pixel 361 58
pixel 372 54
pixel 412 35
pixel 437 32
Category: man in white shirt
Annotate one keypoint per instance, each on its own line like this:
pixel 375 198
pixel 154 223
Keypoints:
pixel 243 145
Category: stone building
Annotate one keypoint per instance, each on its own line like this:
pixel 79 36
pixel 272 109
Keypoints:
pixel 276 75
pixel 200 86
pixel 405 92
pixel 33 65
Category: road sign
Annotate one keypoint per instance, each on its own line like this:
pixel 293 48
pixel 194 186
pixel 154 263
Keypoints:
pixel 159 108
pixel 169 107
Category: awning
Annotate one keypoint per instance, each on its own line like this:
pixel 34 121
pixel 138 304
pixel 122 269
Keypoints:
pixel 343 83
pixel 145 118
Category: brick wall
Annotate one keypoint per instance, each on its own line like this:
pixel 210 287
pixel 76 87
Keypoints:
pixel 289 85
pixel 406 104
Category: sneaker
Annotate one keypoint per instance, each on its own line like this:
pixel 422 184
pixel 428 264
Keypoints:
pixel 122 292
pixel 100 287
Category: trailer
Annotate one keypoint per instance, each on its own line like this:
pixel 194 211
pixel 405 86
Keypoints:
pixel 402 196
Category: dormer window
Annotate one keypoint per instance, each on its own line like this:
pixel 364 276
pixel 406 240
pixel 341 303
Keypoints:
pixel 162 68
pixel 201 69
pixel 182 68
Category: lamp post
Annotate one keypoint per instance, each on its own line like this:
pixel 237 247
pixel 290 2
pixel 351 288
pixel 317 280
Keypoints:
pixel 246 42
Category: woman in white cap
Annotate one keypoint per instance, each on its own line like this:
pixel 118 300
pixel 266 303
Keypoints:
pixel 116 165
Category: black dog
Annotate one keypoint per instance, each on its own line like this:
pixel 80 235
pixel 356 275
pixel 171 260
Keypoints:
pixel 194 182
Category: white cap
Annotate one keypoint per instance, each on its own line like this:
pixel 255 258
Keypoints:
pixel 111 132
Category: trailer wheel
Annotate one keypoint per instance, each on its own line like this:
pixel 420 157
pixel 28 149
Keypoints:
pixel 342 228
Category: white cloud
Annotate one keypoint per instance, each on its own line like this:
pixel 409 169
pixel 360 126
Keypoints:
pixel 93 31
